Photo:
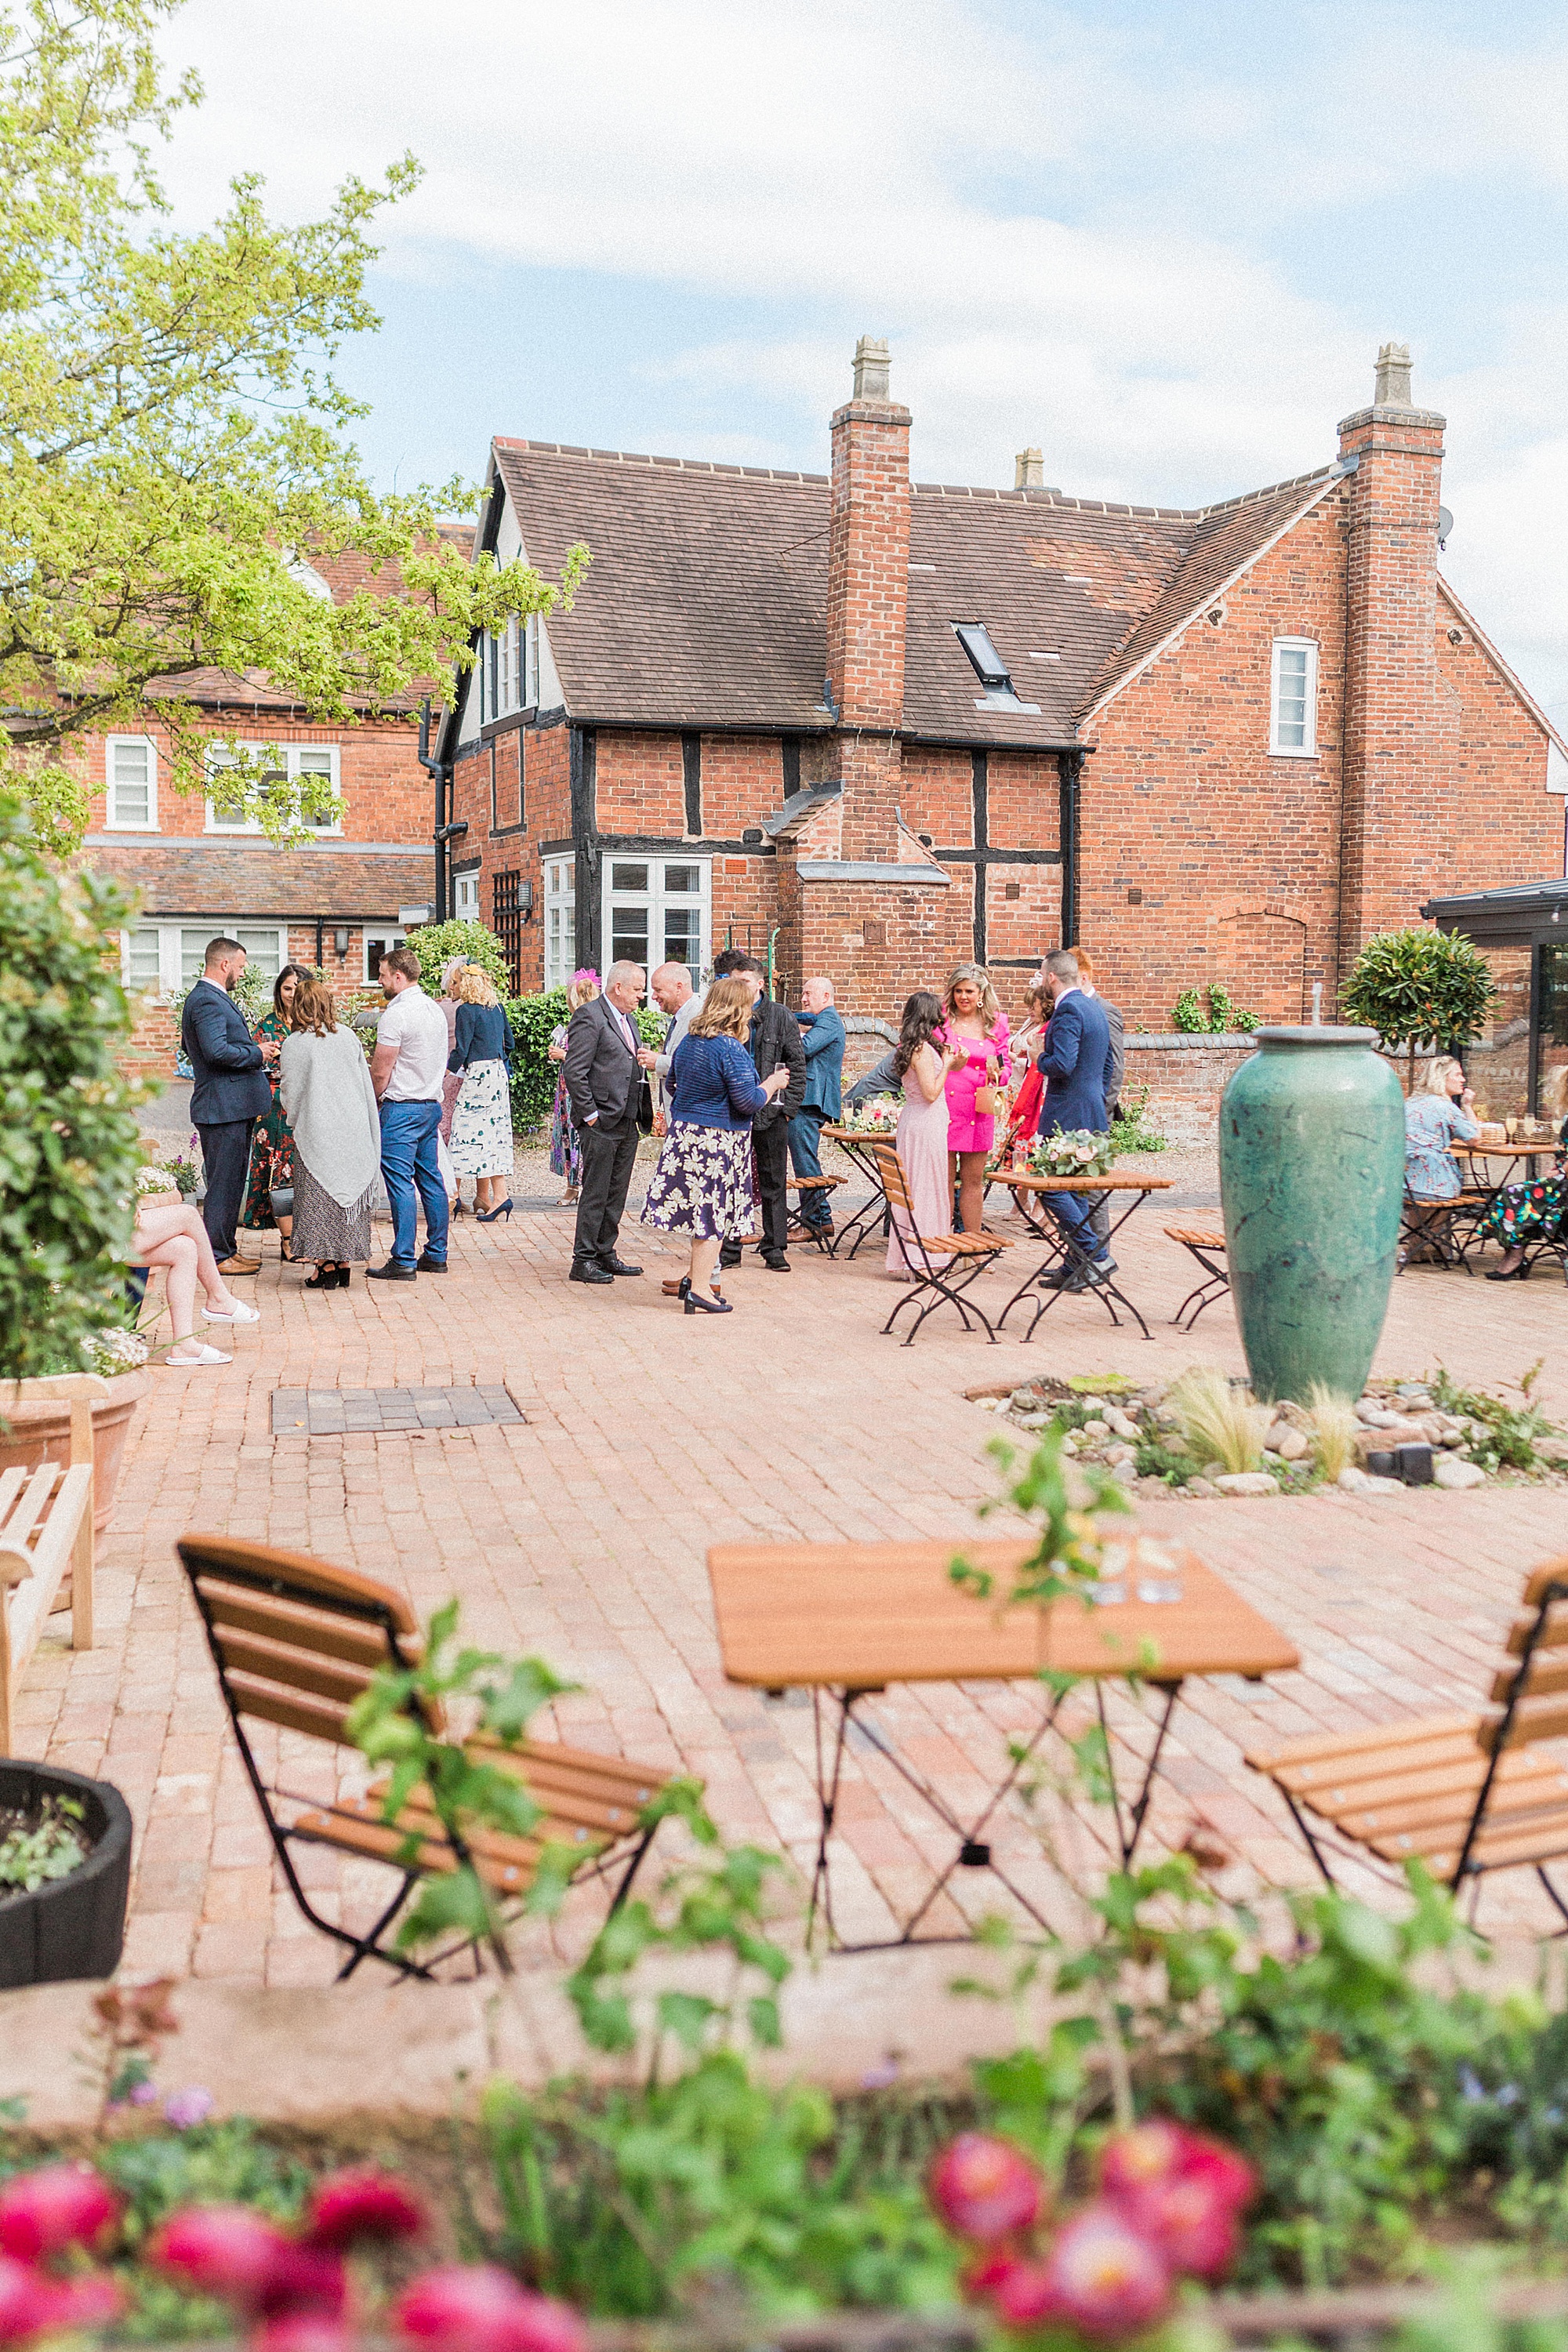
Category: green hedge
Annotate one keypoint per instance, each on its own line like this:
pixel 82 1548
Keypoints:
pixel 534 1073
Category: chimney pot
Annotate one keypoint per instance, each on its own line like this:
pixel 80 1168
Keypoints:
pixel 1029 470
pixel 871 365
pixel 1393 388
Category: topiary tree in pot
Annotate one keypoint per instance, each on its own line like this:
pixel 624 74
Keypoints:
pixel 70 1156
pixel 1419 987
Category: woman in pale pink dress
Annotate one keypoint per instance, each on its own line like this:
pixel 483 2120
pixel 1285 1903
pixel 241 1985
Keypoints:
pixel 975 1023
pixel 922 1065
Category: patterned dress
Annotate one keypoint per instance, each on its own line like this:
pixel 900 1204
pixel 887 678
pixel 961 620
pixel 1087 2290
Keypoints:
pixel 271 1144
pixel 1431 1123
pixel 1525 1213
pixel 565 1143
pixel 702 1182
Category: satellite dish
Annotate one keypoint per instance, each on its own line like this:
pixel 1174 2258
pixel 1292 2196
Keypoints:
pixel 1445 525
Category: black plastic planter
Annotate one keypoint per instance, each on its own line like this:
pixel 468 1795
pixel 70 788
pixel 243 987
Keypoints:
pixel 71 1926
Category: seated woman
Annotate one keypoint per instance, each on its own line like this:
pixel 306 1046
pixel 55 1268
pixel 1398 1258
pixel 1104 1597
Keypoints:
pixel 176 1240
pixel 1535 1211
pixel 1438 1115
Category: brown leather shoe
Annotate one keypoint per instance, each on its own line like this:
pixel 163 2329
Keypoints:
pixel 239 1266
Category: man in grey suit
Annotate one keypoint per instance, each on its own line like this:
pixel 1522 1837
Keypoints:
pixel 231 1092
pixel 604 1080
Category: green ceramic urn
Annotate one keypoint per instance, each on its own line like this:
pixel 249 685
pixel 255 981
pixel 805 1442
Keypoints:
pixel 1311 1171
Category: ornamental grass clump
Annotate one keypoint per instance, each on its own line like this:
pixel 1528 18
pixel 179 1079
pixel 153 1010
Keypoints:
pixel 1220 1422
pixel 1334 1432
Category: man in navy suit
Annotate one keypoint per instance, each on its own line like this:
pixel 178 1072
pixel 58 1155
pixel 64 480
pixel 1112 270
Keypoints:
pixel 231 1092
pixel 1078 1065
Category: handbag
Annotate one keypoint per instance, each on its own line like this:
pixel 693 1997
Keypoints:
pixel 645 1106
pixel 283 1200
pixel 989 1102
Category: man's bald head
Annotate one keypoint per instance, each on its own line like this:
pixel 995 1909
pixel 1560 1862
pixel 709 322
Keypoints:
pixel 816 995
pixel 671 986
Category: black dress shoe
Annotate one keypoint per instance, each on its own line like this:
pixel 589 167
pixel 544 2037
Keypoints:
pixel 777 1265
pixel 589 1272
pixel 729 1257
pixel 618 1265
pixel 390 1273
pixel 426 1263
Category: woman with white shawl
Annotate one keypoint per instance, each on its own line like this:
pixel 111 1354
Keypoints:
pixel 329 1101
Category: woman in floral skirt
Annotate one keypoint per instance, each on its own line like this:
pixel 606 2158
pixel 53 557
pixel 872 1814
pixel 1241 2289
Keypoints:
pixel 1523 1213
pixel 271 1144
pixel 702 1182
pixel 482 1124
pixel 565 1144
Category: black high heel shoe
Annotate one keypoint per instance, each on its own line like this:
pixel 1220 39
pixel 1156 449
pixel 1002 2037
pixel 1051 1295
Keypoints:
pixel 328 1277
pixel 696 1303
pixel 488 1216
pixel 1515 1273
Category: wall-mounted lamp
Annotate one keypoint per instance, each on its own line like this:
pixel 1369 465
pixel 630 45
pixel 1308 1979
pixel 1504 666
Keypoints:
pixel 341 941
pixel 525 900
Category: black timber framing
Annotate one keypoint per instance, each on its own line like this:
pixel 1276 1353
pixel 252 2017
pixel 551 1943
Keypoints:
pixel 584 773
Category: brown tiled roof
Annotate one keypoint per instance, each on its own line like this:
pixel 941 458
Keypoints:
pixel 202 876
pixel 705 601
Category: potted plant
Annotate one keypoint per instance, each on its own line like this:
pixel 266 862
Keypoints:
pixel 69 1157
pixel 65 1868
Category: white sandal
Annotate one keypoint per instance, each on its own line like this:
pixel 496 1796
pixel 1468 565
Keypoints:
pixel 194 1363
pixel 241 1314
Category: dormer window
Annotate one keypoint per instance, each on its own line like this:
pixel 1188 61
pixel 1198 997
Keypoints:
pixel 990 668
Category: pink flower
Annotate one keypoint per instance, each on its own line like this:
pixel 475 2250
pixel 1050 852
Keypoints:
pixel 59 2205
pixel 360 2204
pixel 302 2331
pixel 30 2303
pixel 304 2279
pixel 1160 2150
pixel 188 2107
pixel 222 2250
pixel 458 2308
pixel 1020 2290
pixel 1195 2231
pixel 984 2188
pixel 1103 2277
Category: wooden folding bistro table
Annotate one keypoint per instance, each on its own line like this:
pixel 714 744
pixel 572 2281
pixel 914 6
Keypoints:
pixel 1029 1194
pixel 845 1620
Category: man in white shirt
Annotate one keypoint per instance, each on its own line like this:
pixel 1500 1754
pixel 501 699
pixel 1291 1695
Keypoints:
pixel 406 1070
pixel 671 990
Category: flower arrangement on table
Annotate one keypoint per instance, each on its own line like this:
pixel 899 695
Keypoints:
pixel 877 1116
pixel 1078 1152
pixel 155 1178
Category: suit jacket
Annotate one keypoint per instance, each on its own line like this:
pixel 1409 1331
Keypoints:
pixel 1117 1051
pixel 823 1039
pixel 1076 1067
pixel 775 1040
pixel 602 1075
pixel 231 1080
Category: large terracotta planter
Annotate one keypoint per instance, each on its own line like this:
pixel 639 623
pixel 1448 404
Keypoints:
pixel 39 1430
pixel 1311 1171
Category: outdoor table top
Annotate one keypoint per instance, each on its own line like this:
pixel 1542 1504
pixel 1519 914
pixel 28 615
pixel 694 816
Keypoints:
pixel 1520 1150
pixel 1016 1179
pixel 859 1616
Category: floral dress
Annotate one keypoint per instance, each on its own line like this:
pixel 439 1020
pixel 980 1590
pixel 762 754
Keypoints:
pixel 565 1142
pixel 1525 1212
pixel 1431 1123
pixel 272 1143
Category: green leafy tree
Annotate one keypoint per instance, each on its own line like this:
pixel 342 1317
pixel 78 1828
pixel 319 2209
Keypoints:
pixel 69 1150
pixel 174 455
pixel 437 945
pixel 1420 988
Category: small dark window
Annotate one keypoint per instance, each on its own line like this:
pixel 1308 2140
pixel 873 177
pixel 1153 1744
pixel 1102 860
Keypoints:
pixel 691 778
pixel 987 662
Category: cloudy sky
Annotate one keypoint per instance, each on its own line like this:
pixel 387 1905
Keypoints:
pixel 1161 241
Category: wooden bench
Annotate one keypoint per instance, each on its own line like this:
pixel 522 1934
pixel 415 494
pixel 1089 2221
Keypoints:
pixel 1462 1793
pixel 46 1533
pixel 295 1642
pixel 1203 1247
pixel 940 1266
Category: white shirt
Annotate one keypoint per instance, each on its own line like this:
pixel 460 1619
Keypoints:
pixel 681 1022
pixel 417 1027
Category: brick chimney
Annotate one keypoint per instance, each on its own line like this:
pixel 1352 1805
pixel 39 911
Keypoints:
pixel 1029 470
pixel 1393 750
pixel 868 597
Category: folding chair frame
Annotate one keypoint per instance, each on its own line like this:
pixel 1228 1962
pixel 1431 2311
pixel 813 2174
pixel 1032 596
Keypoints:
pixel 932 1270
pixel 1215 1281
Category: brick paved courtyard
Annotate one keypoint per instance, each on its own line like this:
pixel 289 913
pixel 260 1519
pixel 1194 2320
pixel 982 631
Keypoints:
pixel 580 1532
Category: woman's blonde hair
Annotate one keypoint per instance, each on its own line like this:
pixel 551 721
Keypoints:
pixel 474 985
pixel 581 992
pixel 1439 1070
pixel 1554 1092
pixel 313 1008
pixel 977 975
pixel 726 1009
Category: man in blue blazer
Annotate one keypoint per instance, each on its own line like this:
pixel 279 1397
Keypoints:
pixel 823 1036
pixel 1078 1065
pixel 231 1092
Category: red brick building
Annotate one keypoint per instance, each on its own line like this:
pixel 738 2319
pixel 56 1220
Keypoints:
pixel 880 726
pixel 337 900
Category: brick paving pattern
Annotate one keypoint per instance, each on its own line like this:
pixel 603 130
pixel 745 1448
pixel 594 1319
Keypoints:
pixel 334 1413
pixel 580 1531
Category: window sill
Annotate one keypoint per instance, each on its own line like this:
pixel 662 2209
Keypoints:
pixel 1292 751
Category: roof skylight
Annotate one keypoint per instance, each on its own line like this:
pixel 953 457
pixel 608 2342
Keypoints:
pixel 987 662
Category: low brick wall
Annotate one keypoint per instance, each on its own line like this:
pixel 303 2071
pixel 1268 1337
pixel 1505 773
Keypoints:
pixel 1185 1076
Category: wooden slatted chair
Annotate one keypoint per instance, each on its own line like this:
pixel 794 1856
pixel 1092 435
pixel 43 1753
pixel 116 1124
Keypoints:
pixel 1464 1793
pixel 295 1642
pixel 941 1265
pixel 46 1532
pixel 1216 1279
pixel 812 1188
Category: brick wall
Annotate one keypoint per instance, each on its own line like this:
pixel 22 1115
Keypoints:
pixel 386 795
pixel 486 783
pixel 868 597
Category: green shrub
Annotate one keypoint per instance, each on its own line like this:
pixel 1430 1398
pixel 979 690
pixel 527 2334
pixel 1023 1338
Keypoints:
pixel 1220 1018
pixel 437 944
pixel 1130 1130
pixel 534 1073
pixel 1420 988
pixel 68 1149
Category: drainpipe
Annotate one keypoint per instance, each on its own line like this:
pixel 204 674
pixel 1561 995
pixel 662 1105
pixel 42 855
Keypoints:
pixel 1070 768
pixel 441 769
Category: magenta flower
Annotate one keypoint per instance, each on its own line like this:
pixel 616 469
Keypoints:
pixel 227 2250
pixel 302 2331
pixel 60 2205
pixel 985 2188
pixel 458 2308
pixel 30 2303
pixel 351 2207
pixel 304 2279
pixel 1103 2277
pixel 188 2107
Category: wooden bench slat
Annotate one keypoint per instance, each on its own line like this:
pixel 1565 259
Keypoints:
pixel 1554 1633
pixel 1336 1802
pixel 47 1528
pixel 1195 1240
pixel 1544 1678
pixel 1537 1781
pixel 382 1841
pixel 30 1507
pixel 1534 1718
pixel 1550 1572
pixel 1351 1743
pixel 279 1662
pixel 290 1621
pixel 316 1717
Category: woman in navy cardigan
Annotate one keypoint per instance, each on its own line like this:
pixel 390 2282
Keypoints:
pixel 702 1184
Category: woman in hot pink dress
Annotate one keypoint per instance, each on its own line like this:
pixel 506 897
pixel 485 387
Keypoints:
pixel 923 1063
pixel 976 1024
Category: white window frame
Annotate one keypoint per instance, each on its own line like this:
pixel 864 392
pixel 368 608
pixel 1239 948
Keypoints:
pixel 466 897
pixel 250 826
pixel 112 820
pixel 559 900
pixel 655 897
pixel 1308 747
pixel 531 663
pixel 171 956
pixel 390 935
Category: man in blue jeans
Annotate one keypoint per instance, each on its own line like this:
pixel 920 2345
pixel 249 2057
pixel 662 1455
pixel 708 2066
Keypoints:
pixel 406 1070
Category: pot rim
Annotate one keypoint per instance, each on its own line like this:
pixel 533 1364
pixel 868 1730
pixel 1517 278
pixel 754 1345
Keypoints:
pixel 1329 1035
pixel 105 1850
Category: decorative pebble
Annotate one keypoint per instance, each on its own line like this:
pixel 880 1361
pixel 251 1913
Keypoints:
pixel 1455 1476
pixel 1355 1482
pixel 1247 1481
pixel 1293 1446
pixel 1200 1486
pixel 1097 1428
